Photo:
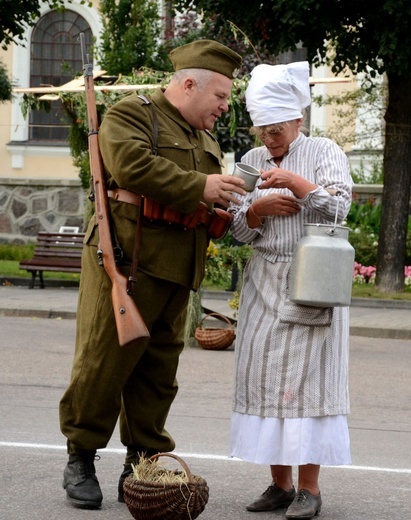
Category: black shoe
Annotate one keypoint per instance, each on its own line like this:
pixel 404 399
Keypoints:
pixel 272 498
pixel 81 483
pixel 304 506
pixel 128 470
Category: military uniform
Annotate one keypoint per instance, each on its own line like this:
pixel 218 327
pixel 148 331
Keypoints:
pixel 168 253
pixel 138 381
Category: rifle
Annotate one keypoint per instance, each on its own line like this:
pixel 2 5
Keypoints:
pixel 129 322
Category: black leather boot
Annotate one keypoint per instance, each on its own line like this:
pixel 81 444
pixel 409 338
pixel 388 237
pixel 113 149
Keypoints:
pixel 81 483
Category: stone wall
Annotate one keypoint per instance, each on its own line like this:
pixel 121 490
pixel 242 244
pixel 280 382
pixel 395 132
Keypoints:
pixel 30 206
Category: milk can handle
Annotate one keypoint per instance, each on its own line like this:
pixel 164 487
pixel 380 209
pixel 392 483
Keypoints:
pixel 337 193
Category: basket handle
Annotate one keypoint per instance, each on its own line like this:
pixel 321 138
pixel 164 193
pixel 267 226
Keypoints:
pixel 216 314
pixel 178 459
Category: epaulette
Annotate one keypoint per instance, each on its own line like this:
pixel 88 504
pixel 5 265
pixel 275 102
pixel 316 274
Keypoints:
pixel 144 98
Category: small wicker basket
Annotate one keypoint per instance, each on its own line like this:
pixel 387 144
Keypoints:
pixel 166 501
pixel 213 338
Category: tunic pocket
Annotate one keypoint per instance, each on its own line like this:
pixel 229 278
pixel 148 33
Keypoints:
pixel 306 315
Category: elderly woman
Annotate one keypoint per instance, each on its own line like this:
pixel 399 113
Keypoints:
pixel 291 397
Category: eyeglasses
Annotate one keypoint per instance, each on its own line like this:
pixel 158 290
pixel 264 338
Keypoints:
pixel 263 134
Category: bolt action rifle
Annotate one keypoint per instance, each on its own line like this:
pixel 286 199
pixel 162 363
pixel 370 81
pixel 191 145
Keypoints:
pixel 129 322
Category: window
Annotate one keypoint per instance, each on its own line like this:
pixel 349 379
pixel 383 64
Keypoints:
pixel 55 60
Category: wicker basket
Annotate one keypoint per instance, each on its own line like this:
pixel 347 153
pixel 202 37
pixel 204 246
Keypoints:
pixel 214 339
pixel 166 501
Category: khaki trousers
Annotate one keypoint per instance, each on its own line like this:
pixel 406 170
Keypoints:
pixel 136 382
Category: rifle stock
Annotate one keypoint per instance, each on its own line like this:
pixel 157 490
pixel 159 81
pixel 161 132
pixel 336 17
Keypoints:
pixel 129 322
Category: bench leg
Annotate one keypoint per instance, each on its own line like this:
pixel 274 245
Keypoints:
pixel 33 279
pixel 41 280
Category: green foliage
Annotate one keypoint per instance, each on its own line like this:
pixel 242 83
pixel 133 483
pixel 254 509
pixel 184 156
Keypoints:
pixel 364 221
pixel 131 31
pixel 6 85
pixel 365 215
pixel 16 251
pixel 222 257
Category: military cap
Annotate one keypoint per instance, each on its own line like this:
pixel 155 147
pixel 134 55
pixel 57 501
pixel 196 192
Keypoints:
pixel 206 54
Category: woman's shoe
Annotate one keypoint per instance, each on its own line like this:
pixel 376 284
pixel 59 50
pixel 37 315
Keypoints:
pixel 305 505
pixel 272 498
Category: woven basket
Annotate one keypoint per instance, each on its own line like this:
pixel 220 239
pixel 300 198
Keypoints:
pixel 214 339
pixel 166 501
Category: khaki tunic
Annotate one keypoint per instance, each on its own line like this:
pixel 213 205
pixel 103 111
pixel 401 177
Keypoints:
pixel 139 379
pixel 176 177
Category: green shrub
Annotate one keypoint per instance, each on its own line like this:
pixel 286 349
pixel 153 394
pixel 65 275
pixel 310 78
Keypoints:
pixel 16 251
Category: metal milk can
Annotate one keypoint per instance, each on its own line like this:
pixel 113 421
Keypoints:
pixel 322 267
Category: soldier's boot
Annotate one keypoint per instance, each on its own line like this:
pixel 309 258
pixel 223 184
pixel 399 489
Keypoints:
pixel 80 481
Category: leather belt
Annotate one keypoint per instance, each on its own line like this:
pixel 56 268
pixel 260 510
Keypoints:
pixel 217 222
pixel 125 196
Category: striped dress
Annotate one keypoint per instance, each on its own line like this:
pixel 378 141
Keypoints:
pixel 291 374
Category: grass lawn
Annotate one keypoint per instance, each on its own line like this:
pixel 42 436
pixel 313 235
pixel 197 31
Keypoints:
pixel 10 268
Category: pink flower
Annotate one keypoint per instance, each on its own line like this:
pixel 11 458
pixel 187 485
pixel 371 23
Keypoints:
pixel 367 272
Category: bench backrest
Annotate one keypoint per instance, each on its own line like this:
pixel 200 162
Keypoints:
pixel 67 245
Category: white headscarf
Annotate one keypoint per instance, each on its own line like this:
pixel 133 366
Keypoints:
pixel 278 93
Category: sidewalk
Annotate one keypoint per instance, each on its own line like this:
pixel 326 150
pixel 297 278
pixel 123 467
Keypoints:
pixel 370 318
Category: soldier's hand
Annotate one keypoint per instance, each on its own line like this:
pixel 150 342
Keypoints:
pixel 221 188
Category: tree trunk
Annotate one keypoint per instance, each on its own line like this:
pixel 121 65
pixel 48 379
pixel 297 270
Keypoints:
pixel 396 191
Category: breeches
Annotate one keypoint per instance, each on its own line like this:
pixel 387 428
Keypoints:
pixel 136 382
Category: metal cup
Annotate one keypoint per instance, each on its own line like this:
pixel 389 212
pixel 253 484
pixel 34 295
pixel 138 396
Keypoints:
pixel 249 174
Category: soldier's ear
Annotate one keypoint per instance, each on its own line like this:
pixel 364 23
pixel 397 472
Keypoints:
pixel 189 85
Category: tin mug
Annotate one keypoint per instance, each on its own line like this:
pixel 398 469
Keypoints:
pixel 249 174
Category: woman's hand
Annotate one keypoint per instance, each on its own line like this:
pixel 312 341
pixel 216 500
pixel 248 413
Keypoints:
pixel 277 204
pixel 280 178
pixel 273 204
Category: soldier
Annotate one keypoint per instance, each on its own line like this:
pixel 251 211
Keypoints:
pixel 159 147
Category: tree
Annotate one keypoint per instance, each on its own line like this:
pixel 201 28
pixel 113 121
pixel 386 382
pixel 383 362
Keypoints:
pixel 131 34
pixel 369 37
pixel 14 19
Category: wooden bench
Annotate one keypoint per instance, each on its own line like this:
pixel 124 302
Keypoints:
pixel 59 252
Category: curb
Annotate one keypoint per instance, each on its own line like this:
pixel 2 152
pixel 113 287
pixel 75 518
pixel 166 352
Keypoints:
pixel 382 333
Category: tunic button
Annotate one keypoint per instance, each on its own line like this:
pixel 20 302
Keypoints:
pixel 175 144
pixel 198 160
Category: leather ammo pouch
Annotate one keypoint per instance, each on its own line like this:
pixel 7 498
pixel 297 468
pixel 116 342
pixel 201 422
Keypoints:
pixel 217 222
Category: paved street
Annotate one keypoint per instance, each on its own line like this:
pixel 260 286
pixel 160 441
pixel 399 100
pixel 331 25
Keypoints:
pixel 36 356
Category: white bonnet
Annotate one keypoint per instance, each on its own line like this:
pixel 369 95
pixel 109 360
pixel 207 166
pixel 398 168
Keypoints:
pixel 278 93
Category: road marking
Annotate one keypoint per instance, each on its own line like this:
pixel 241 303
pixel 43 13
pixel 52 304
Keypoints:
pixel 204 456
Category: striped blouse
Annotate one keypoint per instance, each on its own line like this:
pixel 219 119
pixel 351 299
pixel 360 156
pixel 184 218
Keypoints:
pixel 317 159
